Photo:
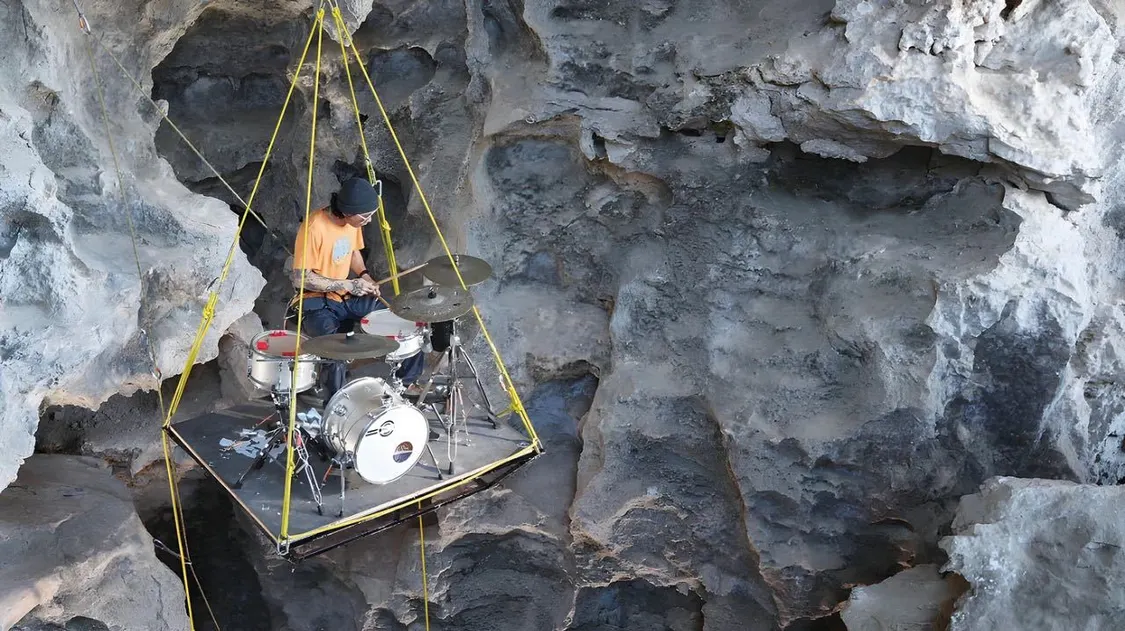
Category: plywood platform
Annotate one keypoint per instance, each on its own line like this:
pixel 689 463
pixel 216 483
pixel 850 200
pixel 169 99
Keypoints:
pixel 485 456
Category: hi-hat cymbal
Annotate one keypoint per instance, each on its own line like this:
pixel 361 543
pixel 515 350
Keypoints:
pixel 473 270
pixel 348 346
pixel 432 303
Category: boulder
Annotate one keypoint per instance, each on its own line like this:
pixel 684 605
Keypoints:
pixel 85 315
pixel 1039 554
pixel 74 548
pixel 917 599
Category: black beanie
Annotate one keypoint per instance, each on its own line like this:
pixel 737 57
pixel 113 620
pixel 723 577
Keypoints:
pixel 356 196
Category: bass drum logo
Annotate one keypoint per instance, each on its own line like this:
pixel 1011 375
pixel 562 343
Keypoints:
pixel 402 452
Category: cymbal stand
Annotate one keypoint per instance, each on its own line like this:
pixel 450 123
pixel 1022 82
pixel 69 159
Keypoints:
pixel 452 355
pixel 456 411
pixel 281 402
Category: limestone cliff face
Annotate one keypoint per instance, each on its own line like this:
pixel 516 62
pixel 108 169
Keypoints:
pixel 73 305
pixel 782 280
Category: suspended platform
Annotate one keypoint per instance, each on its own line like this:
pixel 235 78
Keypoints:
pixel 218 441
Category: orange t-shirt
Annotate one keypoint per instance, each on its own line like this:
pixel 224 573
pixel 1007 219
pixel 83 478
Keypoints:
pixel 330 247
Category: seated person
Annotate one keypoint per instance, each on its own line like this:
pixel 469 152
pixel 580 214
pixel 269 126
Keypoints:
pixel 334 239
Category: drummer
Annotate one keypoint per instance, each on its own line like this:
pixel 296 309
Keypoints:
pixel 334 239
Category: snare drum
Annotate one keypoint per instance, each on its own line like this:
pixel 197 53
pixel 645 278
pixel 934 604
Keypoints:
pixel 411 336
pixel 383 435
pixel 268 368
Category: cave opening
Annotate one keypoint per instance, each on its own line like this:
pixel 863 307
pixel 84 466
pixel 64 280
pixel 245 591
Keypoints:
pixel 831 622
pixel 224 92
pixel 224 582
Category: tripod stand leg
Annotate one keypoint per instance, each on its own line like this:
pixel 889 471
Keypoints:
pixel 449 432
pixel 492 418
pixel 310 475
pixel 430 382
pixel 434 458
pixel 260 459
pixel 342 471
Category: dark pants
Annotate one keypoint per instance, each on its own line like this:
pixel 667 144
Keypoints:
pixel 325 317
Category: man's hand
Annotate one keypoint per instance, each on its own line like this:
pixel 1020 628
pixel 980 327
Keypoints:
pixel 363 287
pixel 374 286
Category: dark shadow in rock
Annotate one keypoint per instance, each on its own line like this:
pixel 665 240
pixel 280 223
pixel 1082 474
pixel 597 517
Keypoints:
pixel 827 623
pixel 556 409
pixel 399 73
pixel 1016 373
pixel 225 91
pixel 636 605
pixel 82 623
pixel 903 181
pixel 9 236
pixel 374 28
pixel 125 428
pixel 229 580
pixel 508 33
pixel 509 582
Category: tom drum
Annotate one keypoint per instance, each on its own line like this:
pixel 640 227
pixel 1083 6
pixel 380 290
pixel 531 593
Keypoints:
pixel 268 367
pixel 411 336
pixel 383 434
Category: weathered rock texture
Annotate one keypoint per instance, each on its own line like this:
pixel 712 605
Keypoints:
pixel 93 561
pixel 1039 554
pixel 918 599
pixel 834 264
pixel 73 306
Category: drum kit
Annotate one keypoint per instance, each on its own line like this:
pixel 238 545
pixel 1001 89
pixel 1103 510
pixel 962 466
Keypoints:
pixel 370 426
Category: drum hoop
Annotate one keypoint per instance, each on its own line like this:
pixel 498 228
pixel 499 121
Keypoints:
pixel 304 358
pixel 264 335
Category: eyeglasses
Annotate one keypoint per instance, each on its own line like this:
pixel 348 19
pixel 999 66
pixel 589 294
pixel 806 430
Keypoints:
pixel 366 217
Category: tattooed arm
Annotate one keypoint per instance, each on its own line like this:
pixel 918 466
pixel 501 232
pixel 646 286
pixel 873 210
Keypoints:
pixel 316 282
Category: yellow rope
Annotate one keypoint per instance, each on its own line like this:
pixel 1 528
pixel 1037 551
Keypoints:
pixel 508 383
pixel 176 513
pixel 209 309
pixel 425 579
pixel 128 217
pixel 176 519
pixel 384 225
pixel 359 519
pixel 388 247
pixel 137 86
pixel 284 534
pixel 191 566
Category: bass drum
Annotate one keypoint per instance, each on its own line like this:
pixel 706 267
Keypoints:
pixel 383 434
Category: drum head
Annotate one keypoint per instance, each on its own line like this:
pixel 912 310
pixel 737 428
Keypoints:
pixel 277 343
pixel 387 324
pixel 348 407
pixel 391 445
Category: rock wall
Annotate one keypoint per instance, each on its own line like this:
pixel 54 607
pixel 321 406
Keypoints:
pixel 831 265
pixel 1039 554
pixel 94 565
pixel 77 322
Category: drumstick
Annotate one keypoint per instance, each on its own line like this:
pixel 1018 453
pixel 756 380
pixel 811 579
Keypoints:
pixel 394 276
pixel 402 273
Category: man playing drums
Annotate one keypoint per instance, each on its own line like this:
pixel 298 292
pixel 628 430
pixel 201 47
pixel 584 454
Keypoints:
pixel 327 248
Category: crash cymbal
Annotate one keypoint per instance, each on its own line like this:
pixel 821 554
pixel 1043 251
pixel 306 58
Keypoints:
pixel 473 270
pixel 433 303
pixel 349 346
